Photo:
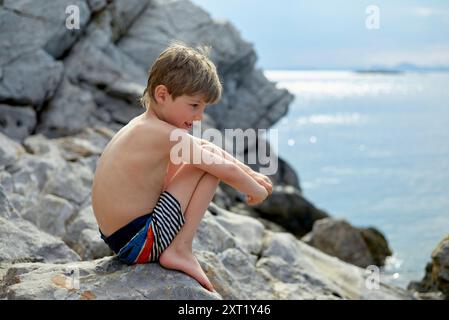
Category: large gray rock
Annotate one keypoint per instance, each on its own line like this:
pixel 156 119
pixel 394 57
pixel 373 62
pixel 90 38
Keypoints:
pixel 212 236
pixel 102 279
pixel 7 210
pixel 377 245
pixel 246 90
pixel 41 24
pixel 50 214
pixel 97 61
pixel 29 72
pixel 30 175
pixel 68 111
pixel 114 80
pixel 306 272
pixel 285 175
pixel 288 208
pixel 21 240
pixel 31 79
pixel 72 182
pixel 10 151
pixel 74 148
pixel 17 123
pixel 39 145
pixel 83 236
pixel 435 284
pixel 338 238
pixel 248 232
pixel 286 269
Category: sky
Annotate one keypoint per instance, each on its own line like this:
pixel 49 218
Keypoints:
pixel 333 34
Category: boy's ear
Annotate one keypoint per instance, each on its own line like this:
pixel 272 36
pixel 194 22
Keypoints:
pixel 161 94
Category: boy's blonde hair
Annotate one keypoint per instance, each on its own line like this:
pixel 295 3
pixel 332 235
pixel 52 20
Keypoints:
pixel 184 71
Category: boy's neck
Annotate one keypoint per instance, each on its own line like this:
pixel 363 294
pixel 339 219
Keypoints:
pixel 153 111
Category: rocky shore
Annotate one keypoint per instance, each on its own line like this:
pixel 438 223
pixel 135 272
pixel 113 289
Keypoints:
pixel 63 95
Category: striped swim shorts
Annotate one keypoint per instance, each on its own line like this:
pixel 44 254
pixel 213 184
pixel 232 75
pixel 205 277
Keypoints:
pixel 145 238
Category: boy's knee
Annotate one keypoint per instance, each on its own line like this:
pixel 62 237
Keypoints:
pixel 192 168
pixel 211 178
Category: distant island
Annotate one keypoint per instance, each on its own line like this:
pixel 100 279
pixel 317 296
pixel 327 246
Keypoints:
pixel 401 68
pixel 383 71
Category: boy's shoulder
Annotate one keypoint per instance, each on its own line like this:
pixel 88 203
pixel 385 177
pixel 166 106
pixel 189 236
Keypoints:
pixel 157 127
pixel 158 131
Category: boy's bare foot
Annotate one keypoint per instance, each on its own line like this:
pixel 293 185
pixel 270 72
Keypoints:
pixel 185 261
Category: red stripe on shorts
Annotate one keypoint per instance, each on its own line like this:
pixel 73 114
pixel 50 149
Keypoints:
pixel 144 255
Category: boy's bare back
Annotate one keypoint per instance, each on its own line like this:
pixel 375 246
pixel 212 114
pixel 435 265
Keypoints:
pixel 130 173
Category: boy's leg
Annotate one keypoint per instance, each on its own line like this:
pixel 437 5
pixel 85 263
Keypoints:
pixel 194 189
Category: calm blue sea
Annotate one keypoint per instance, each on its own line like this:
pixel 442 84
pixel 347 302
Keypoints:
pixel 374 149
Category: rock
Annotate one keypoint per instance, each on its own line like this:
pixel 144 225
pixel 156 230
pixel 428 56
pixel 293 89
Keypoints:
pixel 247 231
pixel 83 236
pixel 285 175
pixel 6 182
pixel 246 90
pixel 76 149
pixel 39 145
pixel 302 272
pixel 113 109
pixel 436 279
pixel 31 79
pixel 290 210
pixel 102 279
pixel 124 14
pixel 68 111
pixel 285 269
pixel 113 79
pixel 96 5
pixel 377 245
pixel 10 151
pixel 95 60
pixel 20 240
pixel 41 24
pixel 50 214
pixel 91 246
pixel 7 210
pixel 257 98
pixel 17 123
pixel 212 236
pixel 221 198
pixel 160 17
pixel 73 183
pixel 338 238
pixel 30 174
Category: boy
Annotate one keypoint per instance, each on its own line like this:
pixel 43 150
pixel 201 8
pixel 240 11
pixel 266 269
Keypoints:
pixel 147 207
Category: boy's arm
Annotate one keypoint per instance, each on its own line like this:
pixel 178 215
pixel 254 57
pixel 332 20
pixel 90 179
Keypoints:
pixel 225 154
pixel 216 164
pixel 260 178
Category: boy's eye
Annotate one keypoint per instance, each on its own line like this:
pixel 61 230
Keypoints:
pixel 194 105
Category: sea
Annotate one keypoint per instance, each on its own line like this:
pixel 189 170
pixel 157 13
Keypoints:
pixel 373 148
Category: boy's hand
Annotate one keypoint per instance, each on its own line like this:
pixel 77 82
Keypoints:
pixel 256 198
pixel 263 180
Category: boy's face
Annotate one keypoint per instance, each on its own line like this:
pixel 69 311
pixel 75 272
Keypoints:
pixel 182 111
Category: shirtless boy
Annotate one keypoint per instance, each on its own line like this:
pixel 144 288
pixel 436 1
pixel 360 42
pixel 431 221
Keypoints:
pixel 148 207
